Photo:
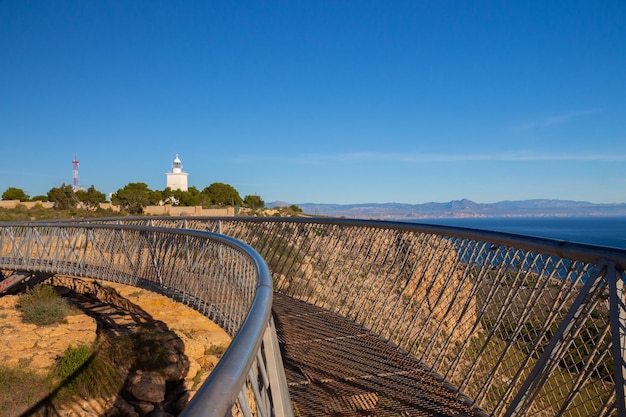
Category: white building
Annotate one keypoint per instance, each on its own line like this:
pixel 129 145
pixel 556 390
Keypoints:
pixel 177 179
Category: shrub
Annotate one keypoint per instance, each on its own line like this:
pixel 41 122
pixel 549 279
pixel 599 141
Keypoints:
pixel 42 306
pixel 216 350
pixel 97 372
pixel 73 359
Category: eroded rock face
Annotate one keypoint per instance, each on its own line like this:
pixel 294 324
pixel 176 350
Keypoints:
pixel 442 300
pixel 408 288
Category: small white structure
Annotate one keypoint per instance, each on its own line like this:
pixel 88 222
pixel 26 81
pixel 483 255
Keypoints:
pixel 177 179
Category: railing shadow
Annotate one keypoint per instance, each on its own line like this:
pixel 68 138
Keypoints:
pixel 158 351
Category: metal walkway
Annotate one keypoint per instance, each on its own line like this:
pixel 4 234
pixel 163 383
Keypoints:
pixel 336 368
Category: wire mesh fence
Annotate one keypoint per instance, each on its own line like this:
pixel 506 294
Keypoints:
pixel 218 276
pixel 522 326
pixel 519 326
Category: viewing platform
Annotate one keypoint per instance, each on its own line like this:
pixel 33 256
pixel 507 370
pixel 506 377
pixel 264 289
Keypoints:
pixel 336 368
pixel 347 317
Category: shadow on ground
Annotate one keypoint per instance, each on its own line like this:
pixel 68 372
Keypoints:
pixel 138 365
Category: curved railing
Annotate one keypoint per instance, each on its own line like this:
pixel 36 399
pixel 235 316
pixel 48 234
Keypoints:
pixel 522 326
pixel 223 278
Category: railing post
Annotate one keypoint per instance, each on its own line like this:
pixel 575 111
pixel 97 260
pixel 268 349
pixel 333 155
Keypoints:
pixel 153 256
pixel 618 332
pixel 276 372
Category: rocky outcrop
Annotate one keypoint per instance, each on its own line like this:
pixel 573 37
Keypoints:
pixel 39 347
pixel 185 344
pixel 147 386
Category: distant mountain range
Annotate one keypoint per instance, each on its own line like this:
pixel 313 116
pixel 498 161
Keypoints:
pixel 463 208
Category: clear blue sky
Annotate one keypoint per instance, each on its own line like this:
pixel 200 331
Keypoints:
pixel 319 101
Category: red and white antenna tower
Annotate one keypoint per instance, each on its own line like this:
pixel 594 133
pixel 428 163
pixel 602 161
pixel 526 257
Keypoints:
pixel 75 172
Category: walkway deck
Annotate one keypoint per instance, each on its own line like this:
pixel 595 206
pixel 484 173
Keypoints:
pixel 336 368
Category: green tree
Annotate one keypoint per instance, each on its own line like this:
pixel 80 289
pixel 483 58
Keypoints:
pixel 39 198
pixel 133 197
pixel 167 195
pixel 191 197
pixel 253 201
pixel 91 198
pixel 63 197
pixel 155 198
pixel 13 193
pixel 82 196
pixel 222 194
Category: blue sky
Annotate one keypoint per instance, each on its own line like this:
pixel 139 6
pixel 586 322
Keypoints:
pixel 319 101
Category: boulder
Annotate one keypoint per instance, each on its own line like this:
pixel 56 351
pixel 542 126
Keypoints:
pixel 147 386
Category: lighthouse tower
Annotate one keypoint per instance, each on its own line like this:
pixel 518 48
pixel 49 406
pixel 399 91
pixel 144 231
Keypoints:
pixel 177 179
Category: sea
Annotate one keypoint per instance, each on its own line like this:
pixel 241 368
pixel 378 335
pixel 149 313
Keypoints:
pixel 602 231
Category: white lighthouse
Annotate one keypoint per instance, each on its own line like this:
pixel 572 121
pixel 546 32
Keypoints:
pixel 177 179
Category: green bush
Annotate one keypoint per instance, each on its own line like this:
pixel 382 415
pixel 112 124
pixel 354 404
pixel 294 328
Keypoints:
pixel 69 373
pixel 42 306
pixel 73 359
pixel 96 372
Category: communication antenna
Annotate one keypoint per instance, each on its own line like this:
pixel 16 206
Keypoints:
pixel 75 172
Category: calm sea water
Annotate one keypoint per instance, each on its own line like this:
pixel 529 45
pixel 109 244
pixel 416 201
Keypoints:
pixel 604 231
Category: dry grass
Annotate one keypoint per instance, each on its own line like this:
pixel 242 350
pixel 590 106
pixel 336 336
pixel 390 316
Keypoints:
pixel 20 213
pixel 20 388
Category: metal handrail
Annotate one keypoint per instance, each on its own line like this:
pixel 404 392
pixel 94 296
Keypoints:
pixel 130 254
pixel 522 325
pixel 340 264
pixel 562 248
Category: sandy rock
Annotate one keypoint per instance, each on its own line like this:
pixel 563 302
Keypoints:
pixel 41 361
pixel 39 346
pixel 147 386
pixel 207 362
pixel 81 322
pixel 125 408
pixel 19 341
pixel 194 349
pixel 145 407
pixel 211 338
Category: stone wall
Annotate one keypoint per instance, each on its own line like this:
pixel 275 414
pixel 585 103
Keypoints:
pixel 164 210
pixel 11 204
pixel 109 206
pixel 170 210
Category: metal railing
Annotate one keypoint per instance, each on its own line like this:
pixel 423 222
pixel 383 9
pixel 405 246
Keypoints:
pixel 222 278
pixel 523 326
